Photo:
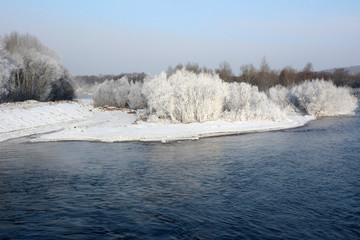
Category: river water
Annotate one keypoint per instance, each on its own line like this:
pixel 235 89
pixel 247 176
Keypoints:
pixel 302 183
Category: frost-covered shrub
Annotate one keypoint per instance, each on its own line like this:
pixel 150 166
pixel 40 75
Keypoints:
pixel 245 102
pixel 119 93
pixel 322 98
pixel 112 93
pixel 159 97
pixel 185 97
pixel 280 95
pixel 315 98
pixel 135 98
pixel 189 97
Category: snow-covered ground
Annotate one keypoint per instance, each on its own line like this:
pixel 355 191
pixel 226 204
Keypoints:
pixel 32 117
pixel 80 121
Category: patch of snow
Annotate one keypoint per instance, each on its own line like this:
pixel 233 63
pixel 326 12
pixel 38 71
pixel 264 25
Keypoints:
pixel 112 131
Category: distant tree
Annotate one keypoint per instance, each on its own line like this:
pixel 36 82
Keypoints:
pixel 308 67
pixel 178 67
pixel 307 72
pixel 355 83
pixel 225 71
pixel 264 79
pixel 248 73
pixel 170 71
pixel 264 66
pixel 193 67
pixel 288 76
pixel 206 70
pixel 341 77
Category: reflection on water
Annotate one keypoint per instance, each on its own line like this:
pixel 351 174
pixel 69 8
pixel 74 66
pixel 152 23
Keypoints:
pixel 294 184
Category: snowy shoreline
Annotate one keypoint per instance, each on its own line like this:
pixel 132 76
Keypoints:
pixel 80 121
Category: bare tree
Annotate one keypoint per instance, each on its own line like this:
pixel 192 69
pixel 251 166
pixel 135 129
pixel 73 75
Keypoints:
pixel 307 72
pixel 206 69
pixel 170 71
pixel 248 73
pixel 263 80
pixel 225 72
pixel 178 67
pixel 193 67
pixel 308 67
pixel 288 76
pixel 340 77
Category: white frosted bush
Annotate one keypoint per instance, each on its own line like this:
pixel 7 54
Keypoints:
pixel 322 98
pixel 188 97
pixel 135 98
pixel 158 94
pixel 120 93
pixel 185 97
pixel 112 93
pixel 280 95
pixel 245 102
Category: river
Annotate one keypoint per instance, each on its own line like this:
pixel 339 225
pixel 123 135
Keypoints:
pixel 301 183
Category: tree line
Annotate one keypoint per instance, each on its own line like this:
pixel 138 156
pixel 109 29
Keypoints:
pixel 264 77
pixel 87 82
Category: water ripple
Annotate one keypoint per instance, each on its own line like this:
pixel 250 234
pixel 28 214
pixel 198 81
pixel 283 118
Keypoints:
pixel 294 184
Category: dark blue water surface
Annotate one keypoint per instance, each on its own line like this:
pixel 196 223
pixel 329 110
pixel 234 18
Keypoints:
pixel 302 183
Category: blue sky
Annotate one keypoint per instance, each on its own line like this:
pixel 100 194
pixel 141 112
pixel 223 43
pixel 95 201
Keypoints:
pixel 109 37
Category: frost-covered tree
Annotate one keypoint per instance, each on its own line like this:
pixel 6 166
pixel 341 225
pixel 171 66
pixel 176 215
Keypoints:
pixel 7 66
pixel 37 74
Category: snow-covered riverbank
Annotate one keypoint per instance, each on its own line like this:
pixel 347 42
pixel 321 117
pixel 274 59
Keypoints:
pixel 80 121
pixel 32 117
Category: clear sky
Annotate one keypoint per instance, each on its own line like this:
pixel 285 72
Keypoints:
pixel 109 37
